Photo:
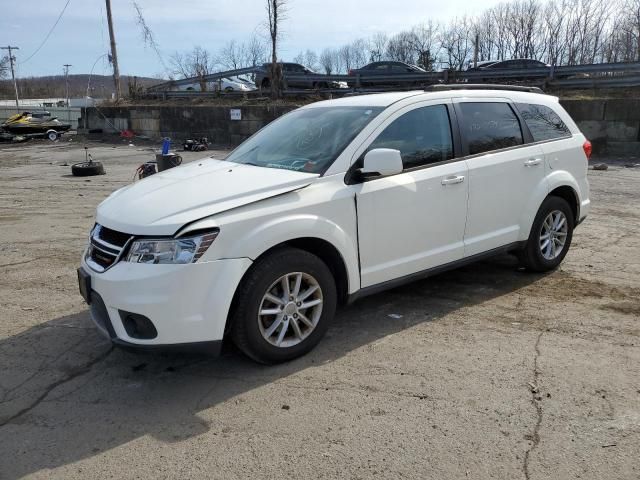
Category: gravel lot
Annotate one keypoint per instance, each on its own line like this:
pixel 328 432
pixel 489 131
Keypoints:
pixel 483 372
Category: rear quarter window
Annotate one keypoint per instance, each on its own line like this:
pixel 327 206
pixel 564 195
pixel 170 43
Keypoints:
pixel 544 124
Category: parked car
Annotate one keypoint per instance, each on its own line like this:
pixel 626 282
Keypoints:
pixel 386 69
pixel 480 65
pixel 263 77
pixel 225 85
pixel 518 63
pixel 329 203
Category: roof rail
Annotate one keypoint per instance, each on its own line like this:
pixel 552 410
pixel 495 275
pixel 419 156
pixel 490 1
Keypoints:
pixel 481 86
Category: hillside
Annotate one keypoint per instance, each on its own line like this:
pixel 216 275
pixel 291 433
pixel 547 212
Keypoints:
pixel 54 86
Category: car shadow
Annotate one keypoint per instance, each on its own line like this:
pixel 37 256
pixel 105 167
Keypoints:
pixel 67 395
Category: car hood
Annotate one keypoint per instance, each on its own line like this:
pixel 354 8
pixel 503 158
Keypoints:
pixel 162 203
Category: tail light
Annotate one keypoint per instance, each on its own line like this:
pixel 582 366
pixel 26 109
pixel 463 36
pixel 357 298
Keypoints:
pixel 588 149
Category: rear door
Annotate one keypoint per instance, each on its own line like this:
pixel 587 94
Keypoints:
pixel 505 170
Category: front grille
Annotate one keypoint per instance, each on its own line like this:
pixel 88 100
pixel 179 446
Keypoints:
pixel 106 247
pixel 113 237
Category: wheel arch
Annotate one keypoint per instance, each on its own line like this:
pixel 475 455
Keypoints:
pixel 559 184
pixel 570 195
pixel 323 249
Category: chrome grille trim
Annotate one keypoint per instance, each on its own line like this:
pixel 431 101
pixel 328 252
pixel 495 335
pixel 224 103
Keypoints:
pixel 108 250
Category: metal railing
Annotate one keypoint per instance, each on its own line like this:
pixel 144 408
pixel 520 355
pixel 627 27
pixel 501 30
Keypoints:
pixel 603 75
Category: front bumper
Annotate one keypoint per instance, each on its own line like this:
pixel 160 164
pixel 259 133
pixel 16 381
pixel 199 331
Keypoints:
pixel 187 304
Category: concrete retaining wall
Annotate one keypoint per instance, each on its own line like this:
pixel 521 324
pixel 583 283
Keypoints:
pixel 613 125
pixel 181 122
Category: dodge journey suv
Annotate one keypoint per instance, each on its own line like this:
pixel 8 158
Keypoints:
pixel 334 201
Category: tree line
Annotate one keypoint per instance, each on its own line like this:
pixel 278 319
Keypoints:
pixel 557 32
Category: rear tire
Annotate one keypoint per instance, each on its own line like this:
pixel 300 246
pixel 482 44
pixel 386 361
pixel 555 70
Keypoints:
pixel 271 326
pixel 550 237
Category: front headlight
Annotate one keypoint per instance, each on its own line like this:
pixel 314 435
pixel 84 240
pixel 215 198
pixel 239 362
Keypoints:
pixel 171 251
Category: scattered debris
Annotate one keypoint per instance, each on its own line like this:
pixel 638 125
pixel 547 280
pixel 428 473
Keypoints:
pixel 88 168
pixel 146 170
pixel 395 316
pixel 286 407
pixel 601 166
pixel 533 387
pixel 610 445
pixel 196 144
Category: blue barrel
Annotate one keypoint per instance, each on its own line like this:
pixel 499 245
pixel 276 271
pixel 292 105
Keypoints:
pixel 166 144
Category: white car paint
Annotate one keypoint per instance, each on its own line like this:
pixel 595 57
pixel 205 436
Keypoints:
pixel 383 230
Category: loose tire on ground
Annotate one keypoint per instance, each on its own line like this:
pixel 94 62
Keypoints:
pixel 249 327
pixel 533 255
pixel 87 169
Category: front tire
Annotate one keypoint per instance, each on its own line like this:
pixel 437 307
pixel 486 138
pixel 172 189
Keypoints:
pixel 283 306
pixel 550 237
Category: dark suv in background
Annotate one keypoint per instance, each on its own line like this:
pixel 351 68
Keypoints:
pixel 517 63
pixel 386 68
pixel 263 77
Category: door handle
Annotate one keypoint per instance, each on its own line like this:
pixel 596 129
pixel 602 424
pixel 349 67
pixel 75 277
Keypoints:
pixel 532 162
pixel 452 180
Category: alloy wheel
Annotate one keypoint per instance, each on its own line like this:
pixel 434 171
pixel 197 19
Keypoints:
pixel 290 309
pixel 553 235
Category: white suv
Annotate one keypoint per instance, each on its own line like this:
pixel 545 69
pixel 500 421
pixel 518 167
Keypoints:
pixel 333 201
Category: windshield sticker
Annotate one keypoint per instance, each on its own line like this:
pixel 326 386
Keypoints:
pixel 285 167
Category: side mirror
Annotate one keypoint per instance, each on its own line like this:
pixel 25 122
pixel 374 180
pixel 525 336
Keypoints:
pixel 383 161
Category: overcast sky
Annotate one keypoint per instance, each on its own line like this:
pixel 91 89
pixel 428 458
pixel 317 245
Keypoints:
pixel 82 36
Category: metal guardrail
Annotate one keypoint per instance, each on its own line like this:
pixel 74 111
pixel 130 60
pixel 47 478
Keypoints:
pixel 603 75
pixel 206 78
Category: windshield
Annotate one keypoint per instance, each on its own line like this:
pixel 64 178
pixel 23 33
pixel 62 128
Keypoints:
pixel 306 140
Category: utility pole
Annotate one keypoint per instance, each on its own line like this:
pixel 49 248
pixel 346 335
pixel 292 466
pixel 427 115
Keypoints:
pixel 12 59
pixel 114 55
pixel 66 81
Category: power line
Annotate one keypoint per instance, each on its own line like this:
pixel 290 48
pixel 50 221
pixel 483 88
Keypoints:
pixel 48 34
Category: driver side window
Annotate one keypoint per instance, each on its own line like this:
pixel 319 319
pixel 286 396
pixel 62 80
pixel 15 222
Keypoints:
pixel 422 135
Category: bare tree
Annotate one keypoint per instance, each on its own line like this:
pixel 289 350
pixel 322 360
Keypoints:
pixel 457 42
pixel 400 48
pixel 197 63
pixel 359 53
pixel 255 51
pixel 424 42
pixel 276 10
pixel 328 61
pixel 632 27
pixel 148 36
pixel 233 55
pixel 378 46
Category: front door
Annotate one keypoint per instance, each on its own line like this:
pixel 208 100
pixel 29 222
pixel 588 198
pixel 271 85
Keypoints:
pixel 415 220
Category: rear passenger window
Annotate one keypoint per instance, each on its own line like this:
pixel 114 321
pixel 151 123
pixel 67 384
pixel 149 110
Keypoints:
pixel 490 126
pixel 423 136
pixel 543 122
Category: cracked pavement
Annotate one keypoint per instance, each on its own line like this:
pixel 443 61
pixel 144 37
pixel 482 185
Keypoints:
pixel 483 372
